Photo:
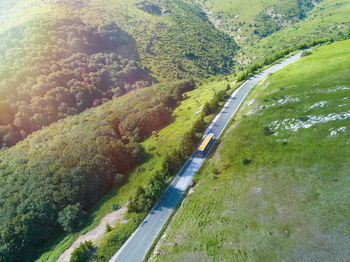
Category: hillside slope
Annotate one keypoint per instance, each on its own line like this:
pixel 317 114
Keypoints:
pixel 276 188
pixel 248 21
pixel 51 179
pixel 82 55
pixel 261 28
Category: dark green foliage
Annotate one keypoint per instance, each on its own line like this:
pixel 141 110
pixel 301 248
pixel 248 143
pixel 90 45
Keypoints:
pixel 246 161
pixel 70 217
pixel 63 170
pixel 216 171
pixel 64 67
pixel 189 143
pixel 80 254
pixel 267 131
pixel 141 202
pixel 145 198
pixel 108 228
pixel 115 206
pixel 174 160
pixel 306 53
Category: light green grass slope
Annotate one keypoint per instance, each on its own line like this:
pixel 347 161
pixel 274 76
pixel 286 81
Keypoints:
pixel 279 193
pixel 241 18
pixel 330 18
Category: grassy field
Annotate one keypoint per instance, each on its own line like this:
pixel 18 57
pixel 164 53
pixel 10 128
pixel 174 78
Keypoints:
pixel 276 188
pixel 156 147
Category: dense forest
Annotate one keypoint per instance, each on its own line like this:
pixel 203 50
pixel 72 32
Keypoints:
pixel 49 180
pixel 73 66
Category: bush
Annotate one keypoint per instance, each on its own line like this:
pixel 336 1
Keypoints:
pixel 115 206
pixel 246 161
pixel 80 254
pixel 108 228
pixel 306 53
pixel 71 217
pixel 267 131
pixel 216 171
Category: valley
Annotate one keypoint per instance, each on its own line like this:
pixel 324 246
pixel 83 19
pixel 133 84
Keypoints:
pixel 102 102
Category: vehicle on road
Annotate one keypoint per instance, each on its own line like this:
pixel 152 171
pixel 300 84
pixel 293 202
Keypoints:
pixel 205 144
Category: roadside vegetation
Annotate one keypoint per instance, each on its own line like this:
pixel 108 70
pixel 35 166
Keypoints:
pixel 155 148
pixel 276 186
pixel 49 180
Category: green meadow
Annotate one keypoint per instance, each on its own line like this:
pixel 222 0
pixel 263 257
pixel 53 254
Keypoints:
pixel 276 188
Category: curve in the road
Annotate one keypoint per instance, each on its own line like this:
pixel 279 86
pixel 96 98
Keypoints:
pixel 136 247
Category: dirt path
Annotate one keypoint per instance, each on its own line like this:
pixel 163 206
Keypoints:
pixel 96 234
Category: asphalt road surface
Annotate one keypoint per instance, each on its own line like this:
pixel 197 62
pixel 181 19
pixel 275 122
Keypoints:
pixel 136 247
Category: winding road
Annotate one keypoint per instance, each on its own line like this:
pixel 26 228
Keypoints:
pixel 136 247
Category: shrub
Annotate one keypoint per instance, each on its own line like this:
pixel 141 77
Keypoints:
pixel 80 254
pixel 71 217
pixel 267 131
pixel 115 206
pixel 246 161
pixel 306 53
pixel 109 228
pixel 216 171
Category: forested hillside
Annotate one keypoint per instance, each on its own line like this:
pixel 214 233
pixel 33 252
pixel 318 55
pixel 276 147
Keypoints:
pixel 49 180
pixel 59 66
pixel 55 68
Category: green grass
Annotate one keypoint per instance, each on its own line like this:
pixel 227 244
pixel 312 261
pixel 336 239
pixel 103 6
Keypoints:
pixel 291 201
pixel 156 147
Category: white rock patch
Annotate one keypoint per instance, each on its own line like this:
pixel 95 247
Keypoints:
pixel 339 88
pixel 287 100
pixel 336 131
pixel 319 104
pixel 251 102
pixel 282 101
pixel 295 124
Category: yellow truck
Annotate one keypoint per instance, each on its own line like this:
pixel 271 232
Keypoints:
pixel 205 144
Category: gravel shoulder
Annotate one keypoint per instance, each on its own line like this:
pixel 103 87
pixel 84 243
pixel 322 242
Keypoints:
pixel 95 234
